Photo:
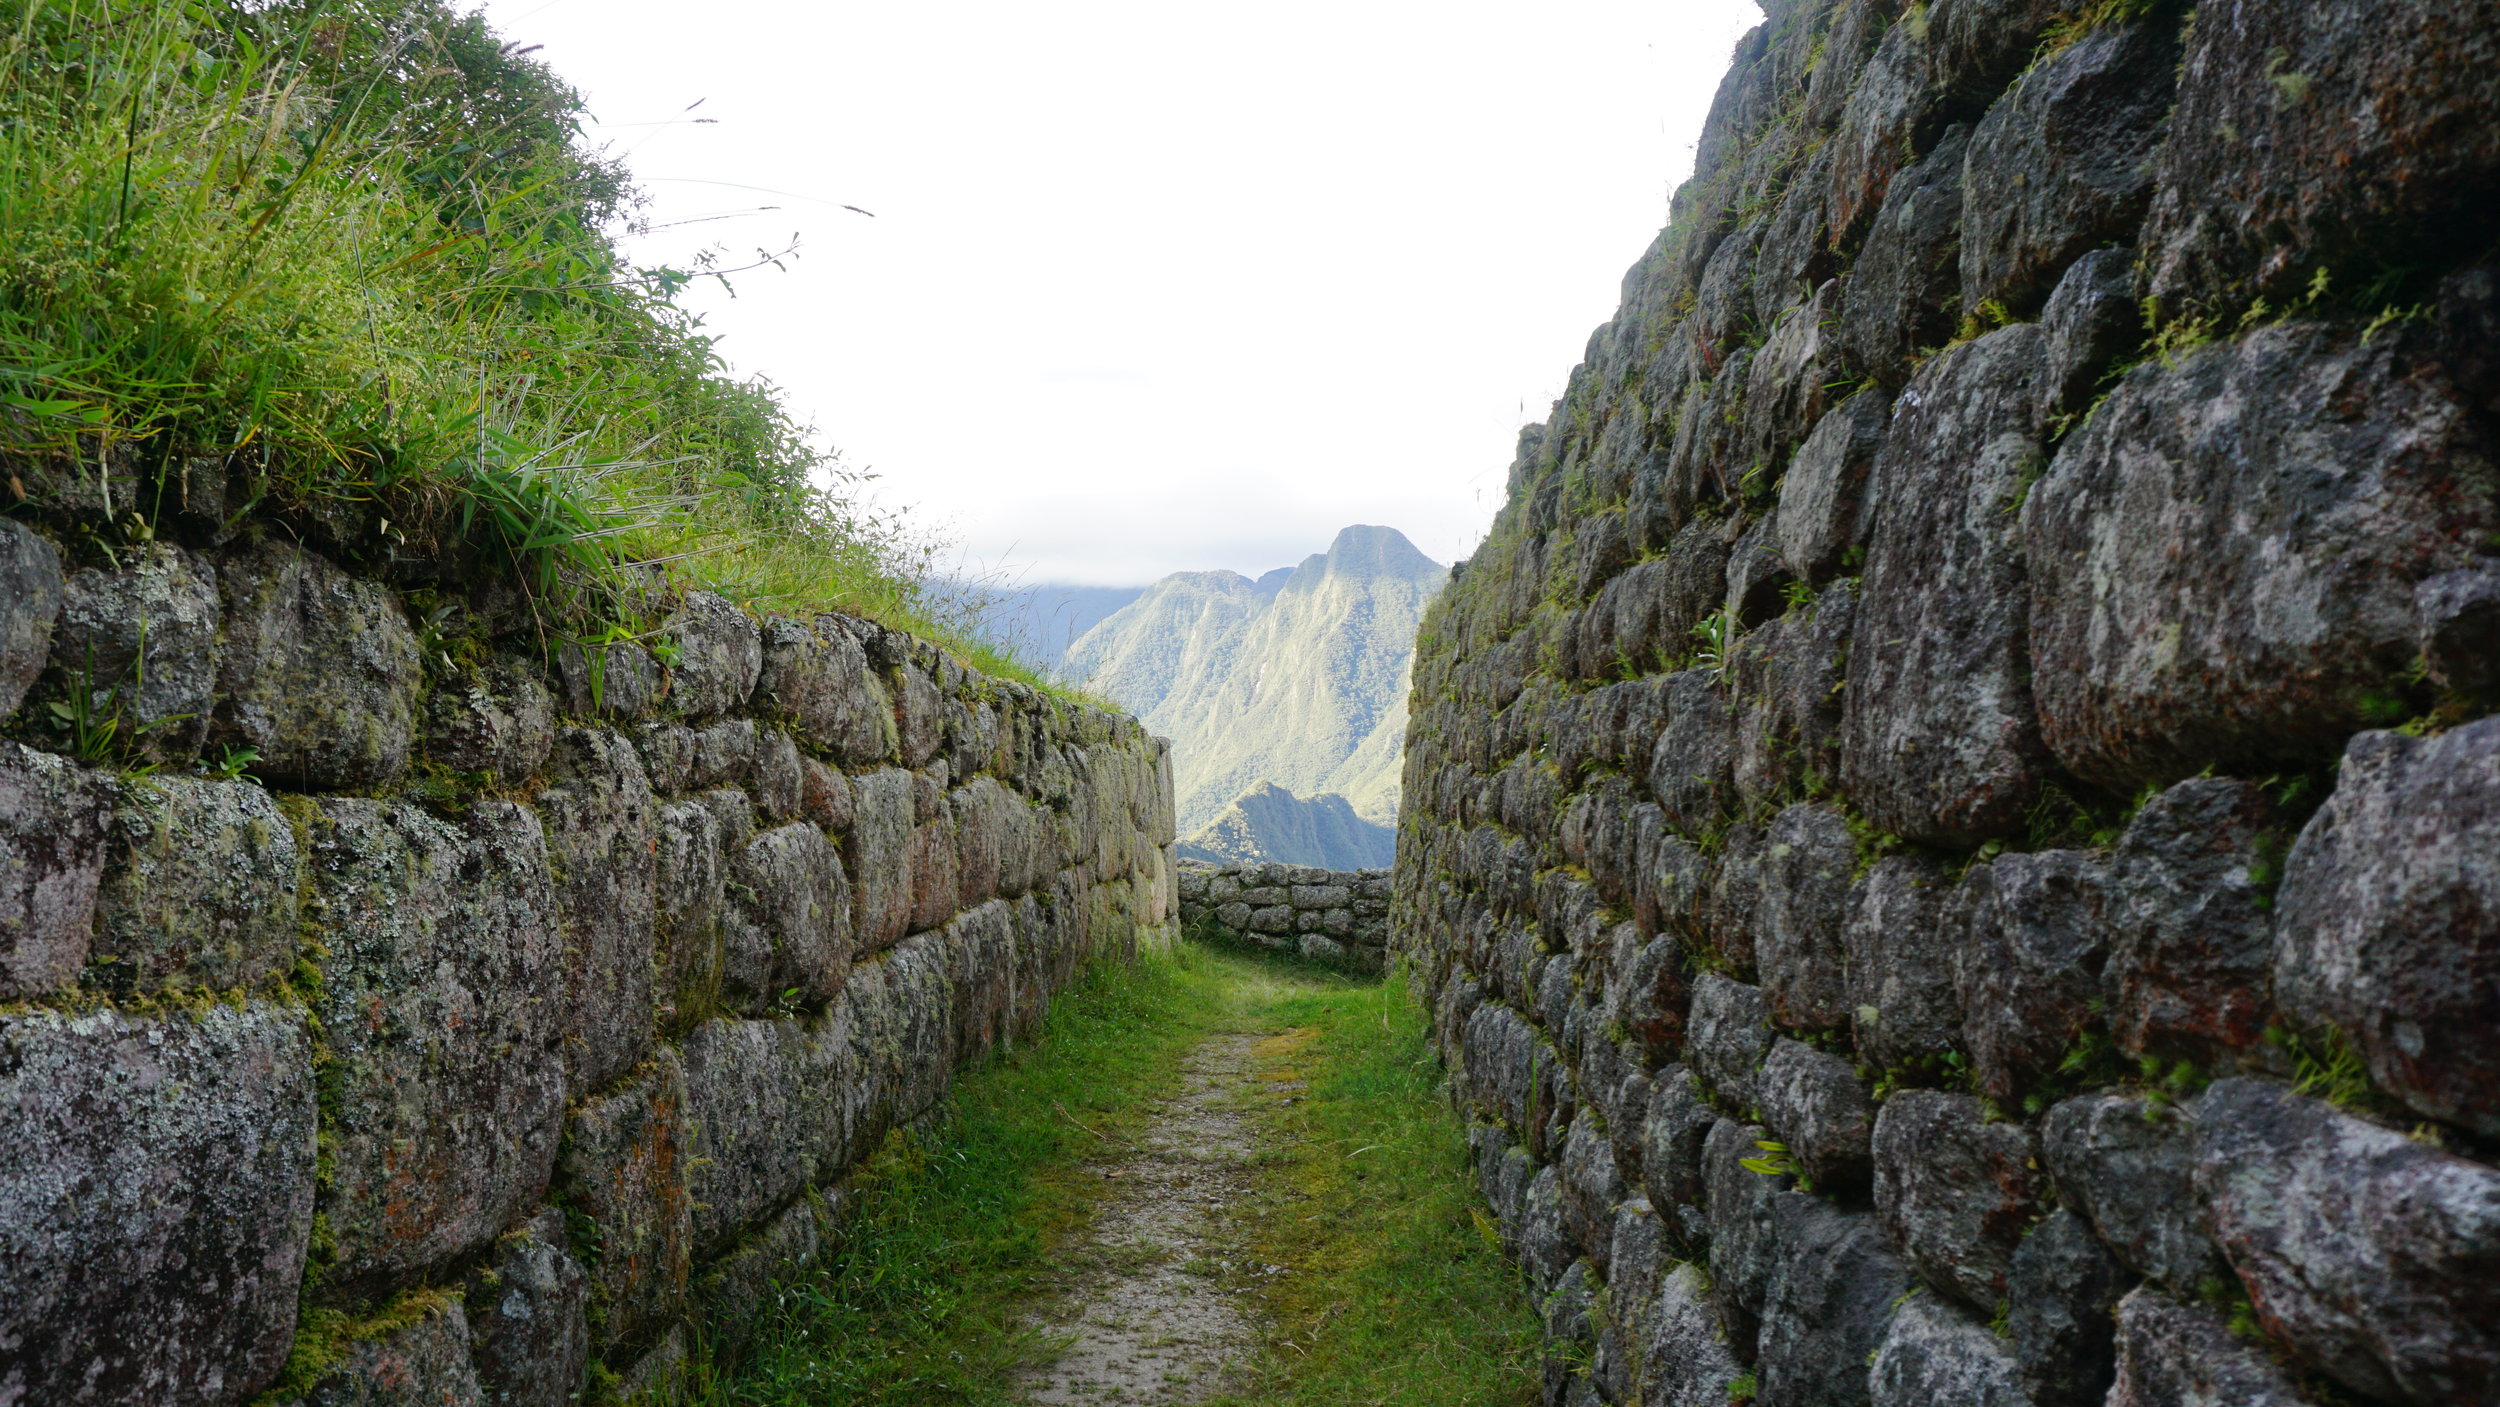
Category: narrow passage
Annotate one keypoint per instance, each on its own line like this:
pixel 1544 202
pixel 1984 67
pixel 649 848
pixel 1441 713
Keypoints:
pixel 1153 1301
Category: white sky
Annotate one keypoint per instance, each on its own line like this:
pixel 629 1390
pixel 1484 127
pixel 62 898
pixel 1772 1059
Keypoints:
pixel 1159 286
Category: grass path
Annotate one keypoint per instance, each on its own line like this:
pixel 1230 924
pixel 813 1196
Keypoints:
pixel 1299 1182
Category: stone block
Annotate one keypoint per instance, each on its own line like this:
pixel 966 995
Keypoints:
pixel 31 585
pixel 609 679
pixel 446 1003
pixel 1904 1008
pixel 53 817
pixel 720 655
pixel 740 1291
pixel 721 755
pixel 622 1170
pixel 599 821
pixel 1939 738
pixel 1321 896
pixel 919 715
pixel 1592 1187
pixel 816 675
pixel 199 889
pixel 2223 558
pixel 320 671
pixel 1891 114
pixel 2093 319
pixel 2367 1253
pixel 2389 918
pixel 156 1201
pixel 1744 1238
pixel 1807 858
pixel 2064 162
pixel 2061 1291
pixel 1823 494
pixel 417 1357
pixel 780 782
pixel 2129 1165
pixel 529 1335
pixel 1689 764
pixel 2318 133
pixel 1545 1249
pixel 1675 1133
pixel 691 892
pixel 2030 972
pixel 2191 924
pixel 1955 1191
pixel 1730 1035
pixel 937 879
pixel 1275 918
pixel 1813 1102
pixel 2457 615
pixel 1904 289
pixel 1234 916
pixel 1933 1352
pixel 1686 1361
pixel 878 854
pixel 2175 1355
pixel 498 719
pixel 788 923
pixel 139 639
pixel 752 1125
pixel 1833 1291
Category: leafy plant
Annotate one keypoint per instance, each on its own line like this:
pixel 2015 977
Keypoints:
pixel 1774 1160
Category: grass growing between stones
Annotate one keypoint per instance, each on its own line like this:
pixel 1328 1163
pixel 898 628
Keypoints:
pixel 1393 1294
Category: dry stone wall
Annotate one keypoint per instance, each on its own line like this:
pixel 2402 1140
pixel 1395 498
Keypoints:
pixel 1953 827
pixel 1339 917
pixel 375 995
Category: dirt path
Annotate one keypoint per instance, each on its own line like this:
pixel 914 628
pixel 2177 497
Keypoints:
pixel 1153 1301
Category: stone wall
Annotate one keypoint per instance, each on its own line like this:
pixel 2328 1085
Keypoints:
pixel 462 1025
pixel 1907 832
pixel 1339 917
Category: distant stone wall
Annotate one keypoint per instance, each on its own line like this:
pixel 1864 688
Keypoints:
pixel 462 1024
pixel 1340 917
pixel 1985 684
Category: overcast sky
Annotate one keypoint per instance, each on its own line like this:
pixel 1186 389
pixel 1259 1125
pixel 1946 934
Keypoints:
pixel 1158 286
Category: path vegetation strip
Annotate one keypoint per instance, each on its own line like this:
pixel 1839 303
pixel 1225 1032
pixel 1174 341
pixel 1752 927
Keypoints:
pixel 974 1242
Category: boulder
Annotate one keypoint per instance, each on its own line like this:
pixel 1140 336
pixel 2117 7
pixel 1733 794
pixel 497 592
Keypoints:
pixel 1955 1191
pixel 1814 1103
pixel 2224 557
pixel 2323 134
pixel 320 671
pixel 1939 739
pixel 1685 1360
pixel 1905 1011
pixel 1730 1035
pixel 599 828
pixel 2030 972
pixel 30 603
pixel 1822 508
pixel 2190 923
pixel 2061 1292
pixel 2389 918
pixel 622 1172
pixel 498 719
pixel 2368 1253
pixel 1904 290
pixel 1806 862
pixel 1833 1292
pixel 2174 1355
pixel 1934 1353
pixel 416 1356
pixel 529 1339
pixel 789 921
pixel 753 1125
pixel 445 1003
pixel 54 815
pixel 138 640
pixel 199 889
pixel 2129 1165
pixel 156 1203
pixel 720 655
pixel 2064 162
pixel 816 675
pixel 2093 320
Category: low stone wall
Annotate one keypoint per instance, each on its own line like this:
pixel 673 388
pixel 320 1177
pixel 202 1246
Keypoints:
pixel 460 1024
pixel 1340 917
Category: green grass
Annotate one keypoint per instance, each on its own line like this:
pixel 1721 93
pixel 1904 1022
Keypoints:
pixel 353 259
pixel 959 1230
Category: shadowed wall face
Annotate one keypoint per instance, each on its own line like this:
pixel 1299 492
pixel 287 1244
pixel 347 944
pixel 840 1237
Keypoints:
pixel 1950 827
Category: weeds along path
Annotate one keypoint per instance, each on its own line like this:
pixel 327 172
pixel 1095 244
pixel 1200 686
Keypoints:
pixel 1215 1180
pixel 1153 1305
